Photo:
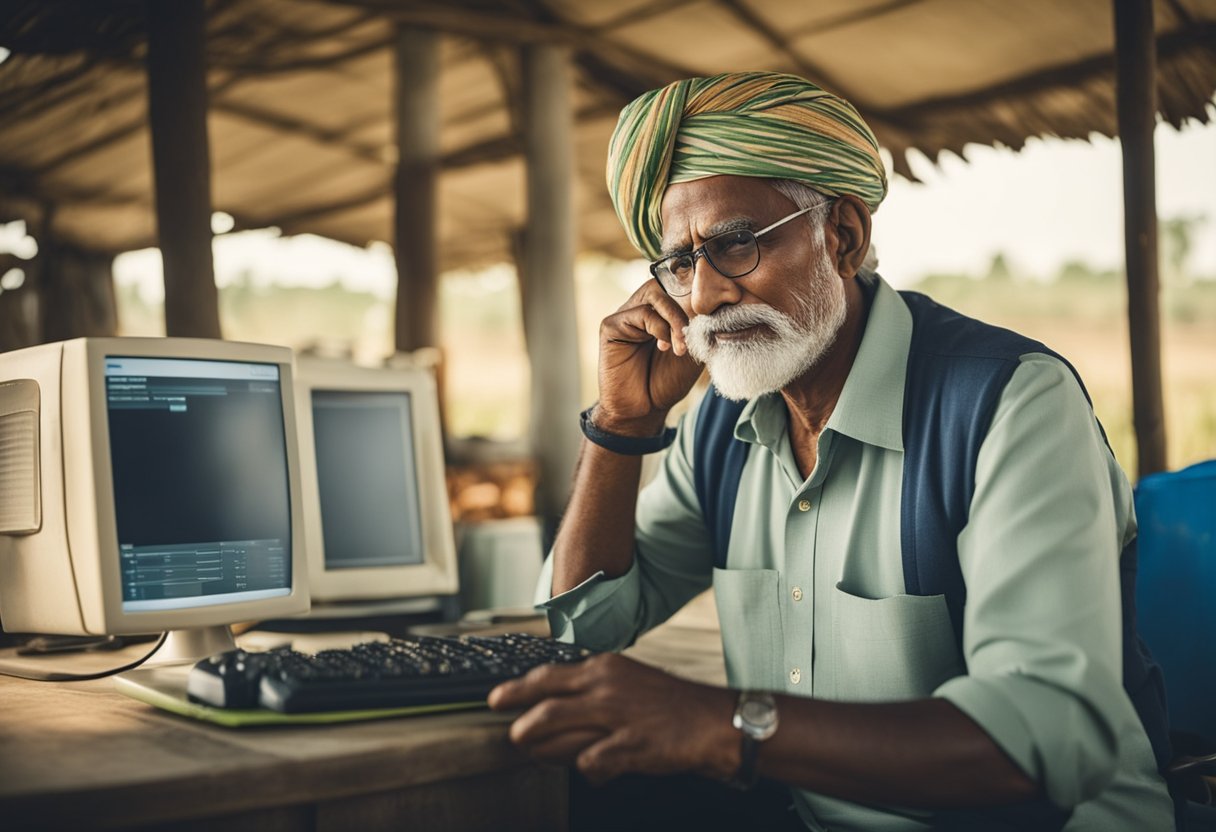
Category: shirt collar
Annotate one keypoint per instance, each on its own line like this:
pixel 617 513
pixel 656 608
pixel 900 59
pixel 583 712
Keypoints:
pixel 871 405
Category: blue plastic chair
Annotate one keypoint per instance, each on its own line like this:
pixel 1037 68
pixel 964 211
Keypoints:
pixel 1176 589
pixel 1176 605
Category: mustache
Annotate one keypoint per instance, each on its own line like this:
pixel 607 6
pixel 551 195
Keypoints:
pixel 734 318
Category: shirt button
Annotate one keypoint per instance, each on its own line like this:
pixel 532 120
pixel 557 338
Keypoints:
pixel 797 593
pixel 804 505
pixel 795 676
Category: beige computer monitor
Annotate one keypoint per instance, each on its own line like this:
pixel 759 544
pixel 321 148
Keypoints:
pixel 152 485
pixel 376 508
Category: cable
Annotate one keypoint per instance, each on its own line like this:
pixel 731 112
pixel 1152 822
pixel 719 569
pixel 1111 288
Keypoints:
pixel 56 676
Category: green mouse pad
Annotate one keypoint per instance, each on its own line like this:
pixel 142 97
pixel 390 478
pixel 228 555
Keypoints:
pixel 165 687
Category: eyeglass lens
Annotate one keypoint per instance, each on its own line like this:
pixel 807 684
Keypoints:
pixel 732 254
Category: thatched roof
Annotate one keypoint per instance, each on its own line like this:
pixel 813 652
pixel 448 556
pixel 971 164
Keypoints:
pixel 300 97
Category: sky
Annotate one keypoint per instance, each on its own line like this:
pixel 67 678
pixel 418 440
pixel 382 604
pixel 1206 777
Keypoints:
pixel 1051 202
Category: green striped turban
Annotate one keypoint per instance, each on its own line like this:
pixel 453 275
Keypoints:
pixel 762 124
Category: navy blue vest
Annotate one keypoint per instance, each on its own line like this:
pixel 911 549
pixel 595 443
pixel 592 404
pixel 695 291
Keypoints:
pixel 957 370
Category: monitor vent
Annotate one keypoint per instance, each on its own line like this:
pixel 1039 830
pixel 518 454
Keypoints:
pixel 19 499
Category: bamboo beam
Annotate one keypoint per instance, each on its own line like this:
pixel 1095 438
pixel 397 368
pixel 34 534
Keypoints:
pixel 547 275
pixel 1135 47
pixel 181 157
pixel 415 231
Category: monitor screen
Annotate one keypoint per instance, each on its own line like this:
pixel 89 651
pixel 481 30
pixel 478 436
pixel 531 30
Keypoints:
pixel 367 478
pixel 375 501
pixel 201 484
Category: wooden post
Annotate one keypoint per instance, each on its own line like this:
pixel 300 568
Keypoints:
pixel 547 276
pixel 76 292
pixel 415 231
pixel 181 159
pixel 19 309
pixel 1136 49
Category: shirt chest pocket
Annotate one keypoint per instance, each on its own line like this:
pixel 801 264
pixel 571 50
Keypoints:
pixel 748 602
pixel 895 648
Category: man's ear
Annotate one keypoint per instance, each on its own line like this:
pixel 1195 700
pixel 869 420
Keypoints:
pixel 848 234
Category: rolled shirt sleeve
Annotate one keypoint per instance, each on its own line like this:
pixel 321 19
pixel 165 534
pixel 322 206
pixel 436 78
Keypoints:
pixel 601 613
pixel 1040 557
pixel 672 563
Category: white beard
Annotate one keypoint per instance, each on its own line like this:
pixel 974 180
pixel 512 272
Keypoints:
pixel 767 362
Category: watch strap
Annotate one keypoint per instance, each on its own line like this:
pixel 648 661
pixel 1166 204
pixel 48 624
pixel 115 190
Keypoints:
pixel 752 733
pixel 748 773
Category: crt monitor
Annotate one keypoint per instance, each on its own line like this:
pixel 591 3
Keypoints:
pixel 149 485
pixel 376 508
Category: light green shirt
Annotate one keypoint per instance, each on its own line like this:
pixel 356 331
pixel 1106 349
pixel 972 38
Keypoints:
pixel 812 600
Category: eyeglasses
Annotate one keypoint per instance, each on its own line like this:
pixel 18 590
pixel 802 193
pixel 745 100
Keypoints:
pixel 732 254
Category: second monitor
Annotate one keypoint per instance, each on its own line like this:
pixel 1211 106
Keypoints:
pixel 376 509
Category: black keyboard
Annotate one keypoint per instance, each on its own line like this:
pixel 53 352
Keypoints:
pixel 420 670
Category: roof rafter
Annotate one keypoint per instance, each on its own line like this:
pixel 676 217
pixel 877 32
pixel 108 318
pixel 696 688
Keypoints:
pixel 340 138
pixel 22 185
pixel 1180 11
pixel 263 68
pixel 852 17
pixel 641 14
pixel 778 41
pixel 1086 69
pixel 502 27
pixel 49 92
pixel 455 20
pixel 312 212
pixel 115 135
pixel 219 104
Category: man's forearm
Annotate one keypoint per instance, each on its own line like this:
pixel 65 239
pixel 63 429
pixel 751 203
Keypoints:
pixel 925 753
pixel 613 715
pixel 597 530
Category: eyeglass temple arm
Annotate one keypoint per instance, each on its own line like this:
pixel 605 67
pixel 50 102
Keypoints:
pixel 792 216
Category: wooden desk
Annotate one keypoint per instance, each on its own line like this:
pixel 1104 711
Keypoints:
pixel 80 756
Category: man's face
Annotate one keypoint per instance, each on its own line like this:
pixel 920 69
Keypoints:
pixel 757 333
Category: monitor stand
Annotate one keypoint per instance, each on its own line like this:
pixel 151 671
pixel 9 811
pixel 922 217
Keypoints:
pixel 182 646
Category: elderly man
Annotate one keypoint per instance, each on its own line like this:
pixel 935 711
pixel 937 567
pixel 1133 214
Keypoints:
pixel 911 521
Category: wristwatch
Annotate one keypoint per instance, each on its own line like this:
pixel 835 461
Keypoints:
pixel 756 719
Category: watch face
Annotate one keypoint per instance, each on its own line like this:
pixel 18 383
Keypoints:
pixel 757 713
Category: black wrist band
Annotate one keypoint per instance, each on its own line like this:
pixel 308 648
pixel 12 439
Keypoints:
pixel 625 445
